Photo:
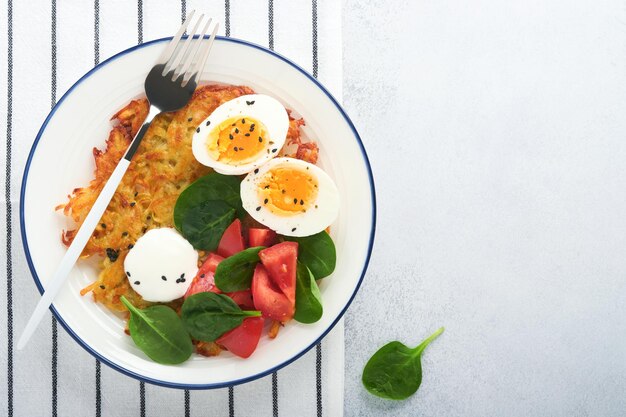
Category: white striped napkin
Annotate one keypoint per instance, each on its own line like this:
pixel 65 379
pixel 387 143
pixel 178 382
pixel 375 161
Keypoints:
pixel 46 46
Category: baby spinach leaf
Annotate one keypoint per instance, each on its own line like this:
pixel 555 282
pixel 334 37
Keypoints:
pixel 159 333
pixel 317 252
pixel 308 298
pixel 205 223
pixel 212 186
pixel 207 315
pixel 395 370
pixel 235 272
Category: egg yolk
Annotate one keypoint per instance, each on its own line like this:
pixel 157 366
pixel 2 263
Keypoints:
pixel 288 191
pixel 238 140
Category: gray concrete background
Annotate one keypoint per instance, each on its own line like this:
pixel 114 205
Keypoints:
pixel 496 131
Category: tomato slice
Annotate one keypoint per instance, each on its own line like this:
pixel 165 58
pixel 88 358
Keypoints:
pixel 210 263
pixel 280 261
pixel 243 340
pixel 204 281
pixel 231 241
pixel 268 298
pixel 261 237
pixel 243 299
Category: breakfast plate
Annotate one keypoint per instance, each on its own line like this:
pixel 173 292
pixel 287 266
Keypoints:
pixel 61 159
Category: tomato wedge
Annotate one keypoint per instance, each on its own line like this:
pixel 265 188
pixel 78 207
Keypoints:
pixel 280 261
pixel 231 241
pixel 243 340
pixel 268 298
pixel 243 299
pixel 261 237
pixel 205 280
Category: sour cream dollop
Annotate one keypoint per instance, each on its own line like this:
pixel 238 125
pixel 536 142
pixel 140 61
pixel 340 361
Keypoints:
pixel 161 265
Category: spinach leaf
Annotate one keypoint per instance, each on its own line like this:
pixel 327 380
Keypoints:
pixel 317 252
pixel 205 223
pixel 213 186
pixel 235 272
pixel 395 370
pixel 308 298
pixel 207 315
pixel 159 333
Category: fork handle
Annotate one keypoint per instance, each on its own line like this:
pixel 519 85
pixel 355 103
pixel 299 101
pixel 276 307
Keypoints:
pixel 53 286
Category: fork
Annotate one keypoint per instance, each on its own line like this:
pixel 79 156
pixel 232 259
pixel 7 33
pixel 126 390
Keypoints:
pixel 168 86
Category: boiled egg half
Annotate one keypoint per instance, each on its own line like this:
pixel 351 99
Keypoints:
pixel 161 265
pixel 290 196
pixel 241 134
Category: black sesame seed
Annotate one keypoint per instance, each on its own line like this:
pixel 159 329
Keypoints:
pixel 283 191
pixel 251 129
pixel 266 187
pixel 230 137
pixel 236 130
pixel 202 275
pixel 183 279
pixel 144 229
pixel 182 275
pixel 104 226
pixel 148 217
pixel 240 148
pixel 133 204
pixel 252 126
pixel 265 201
pixel 178 281
pixel 208 122
pixel 260 139
pixel 293 230
pixel 136 192
pixel 271 142
pixel 128 274
pixel 258 208
pixel 316 206
pixel 301 202
pixel 131 246
pixel 198 130
pixel 249 103
pixel 236 149
pixel 243 121
pixel 102 287
pixel 163 277
pixel 112 254
pixel 256 171
pixel 295 201
pixel 274 150
pixel 190 119
pixel 137 282
pixel 247 134
pixel 124 234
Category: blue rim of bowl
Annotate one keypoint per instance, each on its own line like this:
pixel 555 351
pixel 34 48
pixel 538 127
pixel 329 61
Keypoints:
pixel 173 384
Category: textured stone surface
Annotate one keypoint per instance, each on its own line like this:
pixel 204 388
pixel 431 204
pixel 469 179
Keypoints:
pixel 497 136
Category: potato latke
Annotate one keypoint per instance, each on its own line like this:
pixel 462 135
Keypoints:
pixel 162 167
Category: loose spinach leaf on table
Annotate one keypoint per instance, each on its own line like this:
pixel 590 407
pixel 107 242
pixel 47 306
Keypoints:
pixel 308 298
pixel 235 272
pixel 159 333
pixel 207 315
pixel 205 223
pixel 395 370
pixel 212 186
pixel 317 252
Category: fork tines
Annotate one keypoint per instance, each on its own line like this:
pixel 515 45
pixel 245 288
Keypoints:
pixel 186 55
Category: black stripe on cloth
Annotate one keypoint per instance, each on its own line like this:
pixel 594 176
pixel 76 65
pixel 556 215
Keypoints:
pixel 7 199
pixel 53 99
pixel 318 378
pixel 275 394
pixel 183 10
pixel 142 399
pixel 231 402
pixel 227 17
pixel 314 46
pixel 187 403
pixel 96 61
pixel 139 21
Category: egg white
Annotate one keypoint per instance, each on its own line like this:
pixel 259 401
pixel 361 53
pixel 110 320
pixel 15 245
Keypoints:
pixel 312 221
pixel 265 109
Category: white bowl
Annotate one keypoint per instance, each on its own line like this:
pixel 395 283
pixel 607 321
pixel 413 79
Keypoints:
pixel 61 160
